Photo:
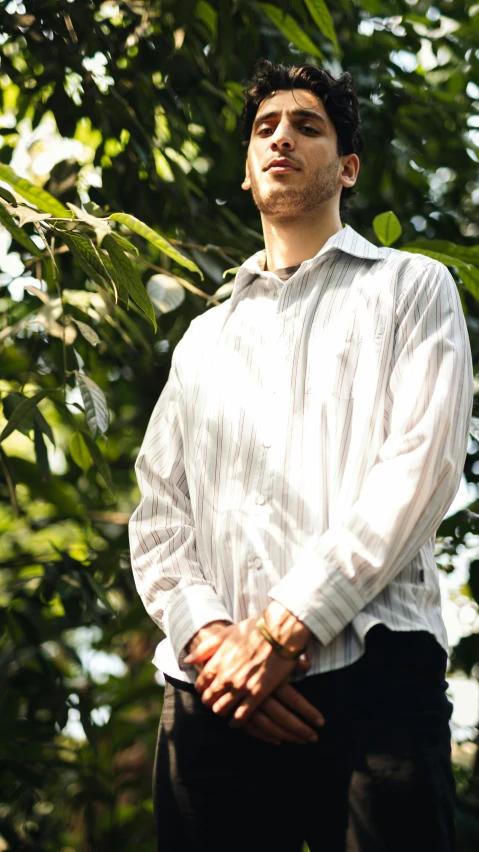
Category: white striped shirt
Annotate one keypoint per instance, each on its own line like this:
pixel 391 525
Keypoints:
pixel 309 440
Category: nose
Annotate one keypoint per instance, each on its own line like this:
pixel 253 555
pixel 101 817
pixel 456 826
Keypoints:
pixel 282 137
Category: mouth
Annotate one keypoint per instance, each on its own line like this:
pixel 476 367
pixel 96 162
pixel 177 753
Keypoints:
pixel 280 166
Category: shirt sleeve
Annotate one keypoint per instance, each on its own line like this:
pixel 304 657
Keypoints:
pixel 416 474
pixel 167 573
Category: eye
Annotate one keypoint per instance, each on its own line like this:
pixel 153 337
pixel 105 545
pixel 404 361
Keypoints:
pixel 262 130
pixel 308 128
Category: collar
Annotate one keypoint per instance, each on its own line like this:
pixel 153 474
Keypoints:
pixel 347 240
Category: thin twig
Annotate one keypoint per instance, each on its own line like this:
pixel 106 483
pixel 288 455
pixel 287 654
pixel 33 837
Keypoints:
pixel 221 251
pixel 33 260
pixel 70 27
pixel 208 247
pixel 184 283
pixel 107 517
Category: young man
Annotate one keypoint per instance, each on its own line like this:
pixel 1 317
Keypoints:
pixel 308 442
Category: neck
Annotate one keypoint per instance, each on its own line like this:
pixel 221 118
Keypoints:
pixel 290 241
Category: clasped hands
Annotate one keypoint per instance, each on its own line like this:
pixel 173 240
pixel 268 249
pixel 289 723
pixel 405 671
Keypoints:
pixel 241 676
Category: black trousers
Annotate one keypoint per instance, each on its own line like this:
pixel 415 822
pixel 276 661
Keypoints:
pixel 378 780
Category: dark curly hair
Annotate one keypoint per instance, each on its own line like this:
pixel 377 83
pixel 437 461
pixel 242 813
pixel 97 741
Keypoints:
pixel 337 94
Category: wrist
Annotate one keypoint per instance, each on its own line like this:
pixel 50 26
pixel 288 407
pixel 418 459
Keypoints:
pixel 285 627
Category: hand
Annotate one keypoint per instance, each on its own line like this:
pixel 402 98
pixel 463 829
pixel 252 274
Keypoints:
pixel 209 638
pixel 273 722
pixel 241 673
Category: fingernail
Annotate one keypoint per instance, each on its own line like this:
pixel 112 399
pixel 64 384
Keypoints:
pixel 313 738
pixel 319 721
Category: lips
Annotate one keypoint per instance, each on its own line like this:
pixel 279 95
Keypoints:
pixel 281 165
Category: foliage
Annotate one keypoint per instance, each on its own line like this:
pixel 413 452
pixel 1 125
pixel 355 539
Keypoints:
pixel 121 162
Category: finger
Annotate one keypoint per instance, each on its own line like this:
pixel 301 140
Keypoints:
pixel 205 650
pixel 206 677
pixel 246 708
pixel 290 697
pixel 251 729
pixel 225 704
pixel 265 724
pixel 288 720
pixel 302 664
pixel 212 694
pixel 225 693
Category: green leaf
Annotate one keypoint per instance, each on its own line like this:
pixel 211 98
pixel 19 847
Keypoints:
pixel 468 273
pixel 204 12
pixel 156 239
pixel 18 233
pixel 470 278
pixel 79 452
pixel 387 228
pixel 43 425
pixel 7 196
pixel 290 29
pixel 100 593
pixel 10 403
pixel 22 410
pixel 126 244
pixel 232 271
pixel 96 407
pixel 128 277
pixel 95 264
pixel 99 461
pixel 87 332
pixel 10 480
pixel 41 453
pixel 34 194
pixel 322 18
pixel 468 254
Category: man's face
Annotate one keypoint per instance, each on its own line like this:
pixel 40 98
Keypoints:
pixel 296 129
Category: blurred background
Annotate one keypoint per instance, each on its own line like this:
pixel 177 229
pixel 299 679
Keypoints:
pixel 133 107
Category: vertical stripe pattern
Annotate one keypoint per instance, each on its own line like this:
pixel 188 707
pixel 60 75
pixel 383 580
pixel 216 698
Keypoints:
pixel 309 440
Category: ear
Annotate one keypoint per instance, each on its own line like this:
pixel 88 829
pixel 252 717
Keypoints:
pixel 247 181
pixel 349 170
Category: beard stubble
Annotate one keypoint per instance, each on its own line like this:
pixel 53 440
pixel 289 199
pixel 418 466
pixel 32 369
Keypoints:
pixel 289 202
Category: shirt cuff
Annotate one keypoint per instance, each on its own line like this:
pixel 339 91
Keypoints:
pixel 319 595
pixel 191 608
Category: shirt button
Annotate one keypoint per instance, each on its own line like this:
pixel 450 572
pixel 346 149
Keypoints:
pixel 260 500
pixel 257 562
pixel 267 444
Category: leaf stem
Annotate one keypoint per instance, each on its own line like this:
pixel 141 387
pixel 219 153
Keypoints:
pixel 60 294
